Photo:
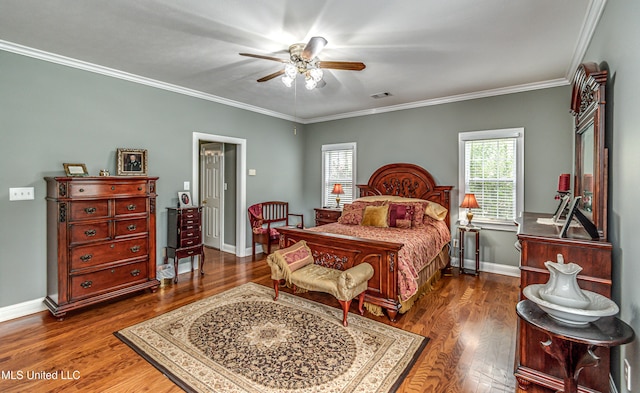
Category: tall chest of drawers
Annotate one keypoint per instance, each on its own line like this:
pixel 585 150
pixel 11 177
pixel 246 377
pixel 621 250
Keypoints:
pixel 184 236
pixel 101 239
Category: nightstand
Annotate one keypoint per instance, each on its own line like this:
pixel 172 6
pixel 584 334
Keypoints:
pixel 461 231
pixel 327 215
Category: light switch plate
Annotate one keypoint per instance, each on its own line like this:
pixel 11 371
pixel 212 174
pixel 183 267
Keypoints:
pixel 252 172
pixel 186 186
pixel 21 193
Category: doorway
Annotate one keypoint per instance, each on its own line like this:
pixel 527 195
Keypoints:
pixel 237 178
pixel 212 186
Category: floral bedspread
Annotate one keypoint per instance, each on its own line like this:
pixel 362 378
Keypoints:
pixel 421 246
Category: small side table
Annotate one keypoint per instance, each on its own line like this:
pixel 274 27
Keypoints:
pixel 461 231
pixel 572 346
pixel 327 215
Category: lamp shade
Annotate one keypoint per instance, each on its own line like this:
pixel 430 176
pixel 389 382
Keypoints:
pixel 337 189
pixel 469 201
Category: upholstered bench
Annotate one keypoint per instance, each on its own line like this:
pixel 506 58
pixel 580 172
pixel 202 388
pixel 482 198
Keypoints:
pixel 295 265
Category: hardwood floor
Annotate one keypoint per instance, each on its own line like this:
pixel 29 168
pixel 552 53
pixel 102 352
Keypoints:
pixel 471 323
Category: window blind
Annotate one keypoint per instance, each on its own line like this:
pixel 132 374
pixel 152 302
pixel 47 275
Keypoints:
pixel 491 174
pixel 338 167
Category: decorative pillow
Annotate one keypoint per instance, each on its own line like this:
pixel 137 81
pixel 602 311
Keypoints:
pixel 436 211
pixel 418 207
pixel 375 216
pixel 296 256
pixel 400 216
pixel 351 214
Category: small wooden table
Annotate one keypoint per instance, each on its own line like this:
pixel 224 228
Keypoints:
pixel 461 232
pixel 572 346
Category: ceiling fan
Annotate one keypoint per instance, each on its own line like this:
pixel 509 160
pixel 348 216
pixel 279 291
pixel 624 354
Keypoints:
pixel 303 60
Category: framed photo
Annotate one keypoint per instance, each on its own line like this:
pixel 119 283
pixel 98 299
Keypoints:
pixel 75 169
pixel 184 198
pixel 132 162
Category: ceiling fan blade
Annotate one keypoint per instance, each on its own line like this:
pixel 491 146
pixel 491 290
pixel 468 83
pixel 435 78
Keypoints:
pixel 313 48
pixel 342 65
pixel 271 76
pixel 264 57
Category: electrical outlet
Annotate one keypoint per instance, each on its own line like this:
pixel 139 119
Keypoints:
pixel 627 374
pixel 21 193
pixel 455 243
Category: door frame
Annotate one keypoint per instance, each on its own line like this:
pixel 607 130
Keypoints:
pixel 241 182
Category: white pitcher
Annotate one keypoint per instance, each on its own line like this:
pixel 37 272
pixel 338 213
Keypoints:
pixel 562 288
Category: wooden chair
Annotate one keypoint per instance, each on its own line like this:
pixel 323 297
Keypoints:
pixel 262 216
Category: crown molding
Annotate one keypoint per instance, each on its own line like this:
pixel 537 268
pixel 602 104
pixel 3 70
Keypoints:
pixel 98 69
pixel 445 100
pixel 86 66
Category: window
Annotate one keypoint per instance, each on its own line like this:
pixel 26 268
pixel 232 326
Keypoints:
pixel 492 168
pixel 338 166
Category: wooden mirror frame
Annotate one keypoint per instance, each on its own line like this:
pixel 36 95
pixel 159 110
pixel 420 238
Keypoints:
pixel 588 108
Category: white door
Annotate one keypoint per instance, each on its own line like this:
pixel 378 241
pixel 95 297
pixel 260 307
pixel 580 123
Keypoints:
pixel 211 193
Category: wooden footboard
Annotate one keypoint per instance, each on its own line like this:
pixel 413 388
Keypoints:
pixel 342 252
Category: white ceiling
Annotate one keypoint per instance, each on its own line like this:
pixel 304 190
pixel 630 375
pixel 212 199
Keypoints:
pixel 423 52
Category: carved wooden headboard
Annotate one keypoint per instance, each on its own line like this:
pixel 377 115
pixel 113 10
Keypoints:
pixel 407 180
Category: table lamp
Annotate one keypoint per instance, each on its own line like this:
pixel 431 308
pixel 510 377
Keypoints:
pixel 469 202
pixel 337 189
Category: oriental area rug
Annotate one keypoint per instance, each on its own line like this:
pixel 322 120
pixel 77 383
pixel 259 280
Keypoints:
pixel 241 340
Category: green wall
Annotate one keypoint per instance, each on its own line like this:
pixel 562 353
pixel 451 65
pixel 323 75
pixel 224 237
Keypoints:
pixel 616 47
pixel 429 137
pixel 51 114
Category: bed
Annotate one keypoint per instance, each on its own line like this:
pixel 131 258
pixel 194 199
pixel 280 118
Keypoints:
pixel 407 259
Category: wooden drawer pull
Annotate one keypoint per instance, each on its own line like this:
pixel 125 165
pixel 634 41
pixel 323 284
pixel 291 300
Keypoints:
pixel 135 248
pixel 131 207
pixel 132 227
pixel 90 210
pixel 86 257
pixel 86 284
pixel 91 232
pixel 135 272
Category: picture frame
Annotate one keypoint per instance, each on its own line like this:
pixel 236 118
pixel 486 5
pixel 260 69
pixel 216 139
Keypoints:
pixel 564 201
pixel 184 199
pixel 75 169
pixel 131 162
pixel 584 221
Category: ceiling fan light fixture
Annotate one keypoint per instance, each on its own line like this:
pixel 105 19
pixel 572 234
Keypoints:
pixel 287 80
pixel 310 83
pixel 316 74
pixel 290 70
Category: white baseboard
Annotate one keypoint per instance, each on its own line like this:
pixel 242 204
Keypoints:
pixel 489 267
pixel 21 309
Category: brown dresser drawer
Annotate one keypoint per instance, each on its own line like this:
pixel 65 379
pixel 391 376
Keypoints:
pixel 131 206
pixel 83 210
pixel 189 252
pixel 92 189
pixel 190 217
pixel 131 227
pixel 83 233
pixel 85 285
pixel 193 234
pixel 87 256
pixel 192 241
